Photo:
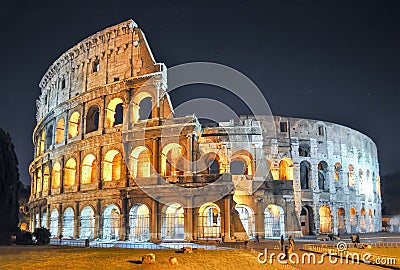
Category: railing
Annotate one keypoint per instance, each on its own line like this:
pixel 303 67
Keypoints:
pixel 330 246
pixel 134 245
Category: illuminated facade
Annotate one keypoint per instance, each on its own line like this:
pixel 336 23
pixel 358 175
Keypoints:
pixel 323 177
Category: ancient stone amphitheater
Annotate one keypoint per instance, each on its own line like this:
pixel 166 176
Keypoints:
pixel 90 176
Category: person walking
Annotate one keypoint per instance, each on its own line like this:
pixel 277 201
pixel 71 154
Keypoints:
pixel 282 242
pixel 291 243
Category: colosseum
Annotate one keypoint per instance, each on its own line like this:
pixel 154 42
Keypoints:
pixel 90 176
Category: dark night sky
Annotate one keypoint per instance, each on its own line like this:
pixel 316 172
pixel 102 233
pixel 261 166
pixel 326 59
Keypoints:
pixel 331 60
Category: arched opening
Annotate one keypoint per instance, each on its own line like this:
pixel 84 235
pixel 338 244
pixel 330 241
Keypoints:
pixel 73 125
pixel 111 113
pixel 241 163
pixel 46 178
pixel 305 174
pixel 68 223
pixel 363 223
pixel 341 220
pixel 44 219
pixel 246 215
pixel 353 220
pixel 370 221
pixel 307 220
pixel 361 181
pixel 49 137
pixel 209 225
pixel 89 168
pixel 378 185
pixel 171 158
pixel 139 223
pixel 140 162
pixel 112 166
pixel 60 130
pixel 212 162
pixel 304 149
pixel 56 175
pixel 274 221
pixel 351 177
pixel 70 172
pixel 39 181
pixel 92 119
pixel 325 219
pixel 237 167
pixel 37 217
pixel 338 171
pixel 87 223
pixel 54 223
pixel 286 168
pixel 111 222
pixel 145 109
pixel 42 141
pixel 322 176
pixel 173 222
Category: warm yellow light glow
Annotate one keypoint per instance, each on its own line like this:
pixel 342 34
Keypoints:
pixel 325 219
pixel 89 169
pixel 286 169
pixel 110 112
pixel 112 166
pixel 140 162
pixel 74 125
pixel 46 178
pixel 70 172
pixel 56 175
pixel 60 130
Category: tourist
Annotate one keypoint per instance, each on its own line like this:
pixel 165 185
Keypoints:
pixel 291 243
pixel 282 242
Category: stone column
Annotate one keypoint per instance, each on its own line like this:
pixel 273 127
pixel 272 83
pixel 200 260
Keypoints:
pixel 77 220
pixel 60 219
pixel 124 232
pixel 98 230
pixel 154 224
pixel 48 216
pixel 156 155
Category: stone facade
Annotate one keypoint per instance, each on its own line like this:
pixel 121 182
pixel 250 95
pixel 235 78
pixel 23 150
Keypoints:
pixel 97 153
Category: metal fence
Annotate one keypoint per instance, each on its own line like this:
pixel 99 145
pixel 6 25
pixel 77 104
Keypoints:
pixel 138 245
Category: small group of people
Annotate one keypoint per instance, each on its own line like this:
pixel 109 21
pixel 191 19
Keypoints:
pixel 355 239
pixel 291 243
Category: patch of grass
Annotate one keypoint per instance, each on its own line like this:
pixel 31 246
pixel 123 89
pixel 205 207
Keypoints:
pixel 51 257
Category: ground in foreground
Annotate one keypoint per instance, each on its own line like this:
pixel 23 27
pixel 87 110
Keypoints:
pixel 52 257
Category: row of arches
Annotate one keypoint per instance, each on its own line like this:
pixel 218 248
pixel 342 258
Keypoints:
pixel 172 164
pixel 286 172
pixel 71 128
pixel 357 222
pixel 112 171
pixel 172 222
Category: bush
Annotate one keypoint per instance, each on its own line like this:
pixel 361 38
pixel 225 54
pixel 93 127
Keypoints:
pixel 24 238
pixel 42 236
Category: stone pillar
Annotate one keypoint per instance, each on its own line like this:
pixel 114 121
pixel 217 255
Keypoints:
pixel 48 216
pixel 124 232
pixel 77 221
pixel 60 219
pixel 154 224
pixel 188 220
pixel 189 150
pixel 98 230
pixel 227 218
pixel 156 155
pixel 62 163
pixel 259 219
